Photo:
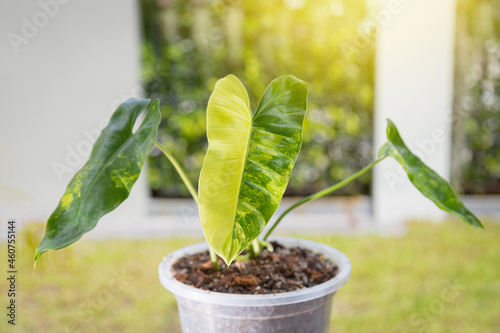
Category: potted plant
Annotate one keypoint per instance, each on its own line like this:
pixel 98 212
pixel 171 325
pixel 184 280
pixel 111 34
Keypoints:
pixel 235 282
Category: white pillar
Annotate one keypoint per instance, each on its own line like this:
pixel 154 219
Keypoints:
pixel 64 67
pixel 414 88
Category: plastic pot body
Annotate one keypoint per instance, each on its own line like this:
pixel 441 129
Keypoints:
pixel 305 310
pixel 310 316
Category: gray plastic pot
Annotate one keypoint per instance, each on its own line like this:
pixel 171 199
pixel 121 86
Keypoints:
pixel 306 310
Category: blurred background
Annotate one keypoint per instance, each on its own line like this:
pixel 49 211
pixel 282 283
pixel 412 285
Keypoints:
pixel 433 67
pixel 188 45
pixel 259 41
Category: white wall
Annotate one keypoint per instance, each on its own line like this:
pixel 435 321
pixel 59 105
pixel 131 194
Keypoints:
pixel 57 81
pixel 414 87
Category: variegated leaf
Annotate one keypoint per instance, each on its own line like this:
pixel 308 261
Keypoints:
pixel 426 180
pixel 249 160
pixel 105 181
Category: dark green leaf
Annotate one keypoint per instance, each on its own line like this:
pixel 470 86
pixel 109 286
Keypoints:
pixel 105 181
pixel 428 182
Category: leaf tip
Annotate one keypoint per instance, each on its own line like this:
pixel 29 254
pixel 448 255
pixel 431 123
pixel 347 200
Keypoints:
pixel 478 224
pixel 227 260
pixel 38 254
pixel 228 263
pixel 390 125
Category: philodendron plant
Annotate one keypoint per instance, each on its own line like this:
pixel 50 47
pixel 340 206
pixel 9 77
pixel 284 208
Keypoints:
pixel 246 170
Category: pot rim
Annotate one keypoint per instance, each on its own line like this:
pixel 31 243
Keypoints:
pixel 217 298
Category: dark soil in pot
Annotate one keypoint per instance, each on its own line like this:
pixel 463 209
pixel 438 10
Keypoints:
pixel 285 269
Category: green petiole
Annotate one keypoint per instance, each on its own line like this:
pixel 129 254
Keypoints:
pixel 321 193
pixel 189 185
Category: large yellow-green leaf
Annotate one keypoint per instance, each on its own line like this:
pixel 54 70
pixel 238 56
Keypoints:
pixel 428 182
pixel 105 181
pixel 249 160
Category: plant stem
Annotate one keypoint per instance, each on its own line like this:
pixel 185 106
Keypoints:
pixel 214 259
pixel 179 170
pixel 256 247
pixel 322 193
pixel 194 194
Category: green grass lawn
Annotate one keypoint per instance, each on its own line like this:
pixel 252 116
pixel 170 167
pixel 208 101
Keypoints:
pixel 437 278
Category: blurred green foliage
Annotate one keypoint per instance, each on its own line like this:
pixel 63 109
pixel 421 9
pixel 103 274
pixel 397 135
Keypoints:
pixel 477 114
pixel 189 44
